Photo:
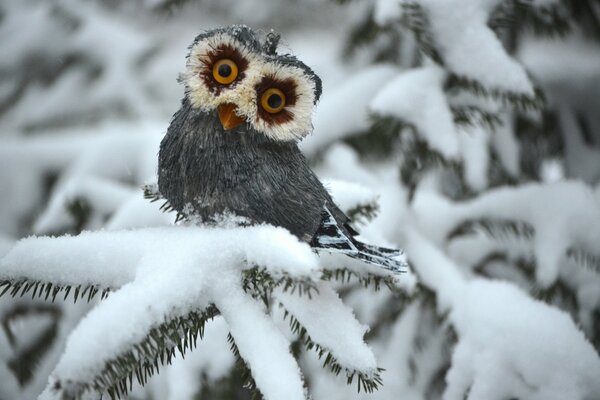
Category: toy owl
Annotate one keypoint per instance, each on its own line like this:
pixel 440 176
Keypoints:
pixel 232 146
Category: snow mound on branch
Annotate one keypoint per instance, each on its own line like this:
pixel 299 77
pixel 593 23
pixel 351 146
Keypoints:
pixel 513 346
pixel 344 111
pixel 564 214
pixel 188 268
pixel 349 195
pixel 474 148
pixel 97 165
pixel 417 97
pixel 112 258
pixel 387 11
pixel 332 324
pixel 509 344
pixel 470 48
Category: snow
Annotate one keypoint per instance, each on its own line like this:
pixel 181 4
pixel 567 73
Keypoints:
pixel 470 48
pixel 417 97
pixel 509 344
pixel 513 346
pixel 95 163
pixel 333 325
pixel 474 144
pixel 211 357
pixel 506 146
pixel 571 58
pixel 88 93
pixel 342 112
pixel 564 214
pixel 260 343
pixel 349 195
pixel 110 258
pixel 387 11
pixel 187 268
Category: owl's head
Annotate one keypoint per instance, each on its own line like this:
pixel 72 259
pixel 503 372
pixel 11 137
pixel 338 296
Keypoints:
pixel 230 72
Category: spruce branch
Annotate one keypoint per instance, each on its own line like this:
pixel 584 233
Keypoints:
pixel 415 19
pixel 584 259
pixel 514 231
pixel 367 280
pixel 500 230
pixel 475 116
pixel 368 211
pixel 367 33
pixel 152 193
pixel 259 283
pixel 368 382
pixel 49 290
pixel 519 101
pixel 246 374
pixel 517 16
pixel 144 359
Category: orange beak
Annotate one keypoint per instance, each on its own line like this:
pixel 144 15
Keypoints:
pixel 228 116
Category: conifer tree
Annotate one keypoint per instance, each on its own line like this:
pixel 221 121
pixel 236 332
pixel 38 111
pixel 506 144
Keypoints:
pixel 469 136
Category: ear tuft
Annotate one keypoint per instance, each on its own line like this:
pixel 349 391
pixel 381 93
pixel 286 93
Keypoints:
pixel 271 43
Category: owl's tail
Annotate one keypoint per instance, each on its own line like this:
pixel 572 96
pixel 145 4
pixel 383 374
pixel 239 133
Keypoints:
pixel 332 238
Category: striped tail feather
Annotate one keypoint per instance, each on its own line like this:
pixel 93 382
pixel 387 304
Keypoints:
pixel 331 237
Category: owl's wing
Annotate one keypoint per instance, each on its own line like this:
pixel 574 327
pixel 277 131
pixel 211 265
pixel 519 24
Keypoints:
pixel 333 238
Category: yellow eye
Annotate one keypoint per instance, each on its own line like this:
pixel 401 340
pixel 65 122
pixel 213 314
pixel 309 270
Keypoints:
pixel 225 71
pixel 272 100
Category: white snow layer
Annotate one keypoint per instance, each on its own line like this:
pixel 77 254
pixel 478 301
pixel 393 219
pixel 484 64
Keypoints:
pixel 94 163
pixel 343 111
pixel 474 147
pixel 349 195
pixel 564 214
pixel 417 97
pixel 332 324
pixel 260 342
pixel 188 268
pixel 387 11
pixel 111 258
pixel 510 346
pixel 470 48
pixel 182 266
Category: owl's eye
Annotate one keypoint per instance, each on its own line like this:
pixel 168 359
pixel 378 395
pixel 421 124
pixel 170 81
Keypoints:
pixel 272 100
pixel 225 71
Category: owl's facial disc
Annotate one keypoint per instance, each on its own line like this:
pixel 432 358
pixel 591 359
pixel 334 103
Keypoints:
pixel 229 117
pixel 228 72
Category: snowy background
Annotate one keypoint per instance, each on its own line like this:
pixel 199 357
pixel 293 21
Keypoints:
pixel 465 131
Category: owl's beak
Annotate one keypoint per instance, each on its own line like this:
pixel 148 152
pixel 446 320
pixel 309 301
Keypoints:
pixel 228 116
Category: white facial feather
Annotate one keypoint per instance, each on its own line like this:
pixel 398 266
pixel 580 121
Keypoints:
pixel 300 124
pixel 243 92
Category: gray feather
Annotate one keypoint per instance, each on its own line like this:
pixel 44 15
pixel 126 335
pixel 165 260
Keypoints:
pixel 206 171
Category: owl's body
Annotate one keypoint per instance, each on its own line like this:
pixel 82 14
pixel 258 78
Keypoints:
pixel 232 147
pixel 206 172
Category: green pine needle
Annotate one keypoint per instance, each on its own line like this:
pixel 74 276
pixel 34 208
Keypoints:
pixel 259 283
pixel 367 280
pixel 49 291
pixel 145 358
pixel 366 382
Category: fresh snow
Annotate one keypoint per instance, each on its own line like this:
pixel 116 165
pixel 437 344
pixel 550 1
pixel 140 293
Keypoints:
pixel 349 195
pixel 564 214
pixel 416 96
pixel 343 111
pixel 510 346
pixel 387 11
pixel 332 324
pixel 187 268
pixel 470 48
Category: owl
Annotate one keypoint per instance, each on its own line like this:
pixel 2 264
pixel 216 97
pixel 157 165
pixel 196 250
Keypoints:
pixel 232 147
